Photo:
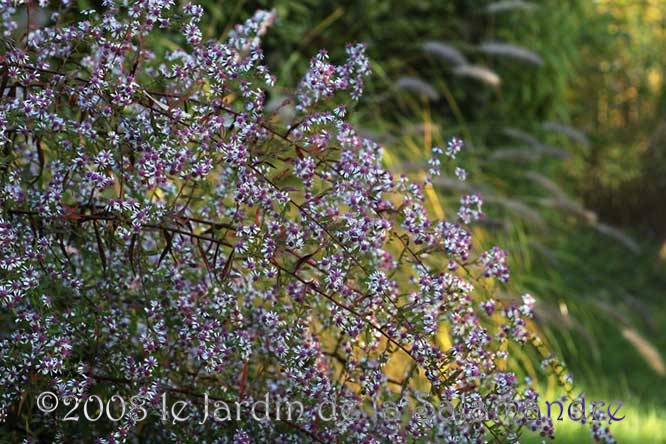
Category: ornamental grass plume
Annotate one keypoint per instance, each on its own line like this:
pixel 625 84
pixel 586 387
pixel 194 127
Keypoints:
pixel 445 52
pixel 480 73
pixel 510 5
pixel 511 51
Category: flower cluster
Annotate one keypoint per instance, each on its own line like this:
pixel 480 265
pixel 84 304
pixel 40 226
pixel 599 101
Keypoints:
pixel 453 147
pixel 161 231
pixel 495 264
pixel 324 79
pixel 470 208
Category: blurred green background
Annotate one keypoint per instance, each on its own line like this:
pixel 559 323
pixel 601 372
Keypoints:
pixel 562 105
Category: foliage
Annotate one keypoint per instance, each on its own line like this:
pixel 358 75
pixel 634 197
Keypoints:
pixel 568 154
pixel 551 165
pixel 163 232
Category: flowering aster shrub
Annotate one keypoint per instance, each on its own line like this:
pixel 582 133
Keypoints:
pixel 166 238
